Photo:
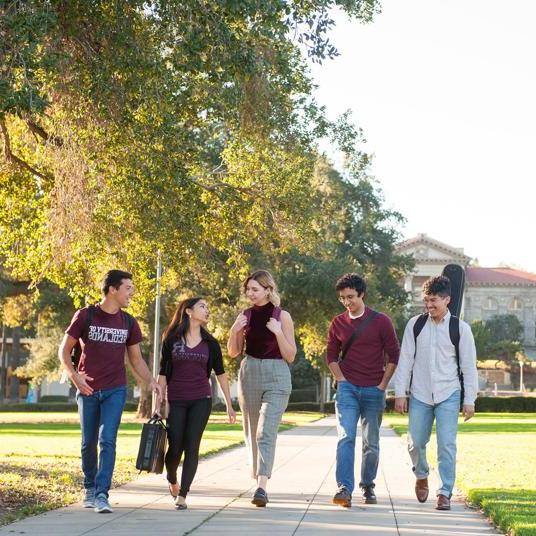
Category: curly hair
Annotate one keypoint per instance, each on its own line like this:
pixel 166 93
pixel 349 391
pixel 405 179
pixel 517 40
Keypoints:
pixel 439 286
pixel 351 281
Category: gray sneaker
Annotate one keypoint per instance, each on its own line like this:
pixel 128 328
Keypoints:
pixel 89 498
pixel 102 506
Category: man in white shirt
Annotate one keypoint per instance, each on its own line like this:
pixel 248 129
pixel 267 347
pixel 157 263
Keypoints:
pixel 429 369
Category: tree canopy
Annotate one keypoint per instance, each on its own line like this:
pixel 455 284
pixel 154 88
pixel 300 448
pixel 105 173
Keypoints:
pixel 188 128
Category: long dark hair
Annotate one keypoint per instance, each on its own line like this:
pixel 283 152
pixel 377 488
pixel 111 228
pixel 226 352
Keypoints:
pixel 180 322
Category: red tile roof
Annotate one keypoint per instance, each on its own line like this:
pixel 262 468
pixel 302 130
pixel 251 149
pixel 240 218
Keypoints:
pixel 498 276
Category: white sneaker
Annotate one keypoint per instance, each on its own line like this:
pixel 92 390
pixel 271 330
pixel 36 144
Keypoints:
pixel 102 506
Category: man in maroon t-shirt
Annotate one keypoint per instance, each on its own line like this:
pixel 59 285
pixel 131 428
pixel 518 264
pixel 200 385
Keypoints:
pixel 105 333
pixel 362 377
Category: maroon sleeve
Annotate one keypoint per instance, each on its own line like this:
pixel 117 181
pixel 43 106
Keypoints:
pixel 391 345
pixel 76 328
pixel 334 344
pixel 135 336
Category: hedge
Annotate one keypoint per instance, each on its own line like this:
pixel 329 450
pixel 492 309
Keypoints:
pixel 510 404
pixel 505 404
pixel 53 407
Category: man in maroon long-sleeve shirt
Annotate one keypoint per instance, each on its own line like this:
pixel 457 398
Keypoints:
pixel 362 377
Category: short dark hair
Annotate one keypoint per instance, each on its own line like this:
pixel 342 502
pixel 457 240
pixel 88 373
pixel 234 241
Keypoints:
pixel 440 286
pixel 114 278
pixel 351 281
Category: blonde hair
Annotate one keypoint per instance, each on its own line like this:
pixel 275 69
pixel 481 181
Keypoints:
pixel 265 280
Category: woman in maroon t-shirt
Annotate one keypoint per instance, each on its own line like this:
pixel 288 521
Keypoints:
pixel 267 333
pixel 189 354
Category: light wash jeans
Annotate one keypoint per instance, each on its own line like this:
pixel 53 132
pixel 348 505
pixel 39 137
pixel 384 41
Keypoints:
pixel 421 419
pixel 351 404
pixel 100 416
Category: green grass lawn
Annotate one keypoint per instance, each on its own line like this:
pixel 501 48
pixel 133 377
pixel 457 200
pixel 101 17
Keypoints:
pixel 40 456
pixel 496 466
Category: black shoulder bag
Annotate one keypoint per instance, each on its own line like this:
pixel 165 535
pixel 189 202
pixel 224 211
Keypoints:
pixel 353 337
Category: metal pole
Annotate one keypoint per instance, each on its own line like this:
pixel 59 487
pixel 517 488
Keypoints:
pixel 156 339
pixel 521 377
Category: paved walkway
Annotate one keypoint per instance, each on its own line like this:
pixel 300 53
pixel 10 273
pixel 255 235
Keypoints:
pixel 300 494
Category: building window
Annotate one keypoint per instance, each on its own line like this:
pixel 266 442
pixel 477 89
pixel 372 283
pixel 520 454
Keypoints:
pixel 490 304
pixel 516 304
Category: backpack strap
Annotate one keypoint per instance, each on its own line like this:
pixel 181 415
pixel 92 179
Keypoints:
pixel 276 313
pixel 417 328
pixel 90 315
pixel 454 334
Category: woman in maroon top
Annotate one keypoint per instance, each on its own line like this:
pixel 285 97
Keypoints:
pixel 189 354
pixel 266 333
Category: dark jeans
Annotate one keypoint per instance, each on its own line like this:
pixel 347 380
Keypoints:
pixel 352 404
pixel 186 422
pixel 100 416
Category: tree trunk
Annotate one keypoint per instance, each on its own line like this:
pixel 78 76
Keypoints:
pixel 15 362
pixel 145 405
pixel 322 390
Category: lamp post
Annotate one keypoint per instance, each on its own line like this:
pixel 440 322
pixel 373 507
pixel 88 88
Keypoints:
pixel 156 339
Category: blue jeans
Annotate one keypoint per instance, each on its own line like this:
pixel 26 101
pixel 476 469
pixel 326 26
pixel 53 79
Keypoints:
pixel 351 404
pixel 421 419
pixel 100 416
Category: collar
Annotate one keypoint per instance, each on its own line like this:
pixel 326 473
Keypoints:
pixel 446 318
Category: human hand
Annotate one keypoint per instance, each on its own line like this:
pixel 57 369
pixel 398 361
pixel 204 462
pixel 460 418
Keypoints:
pixel 401 405
pixel 274 326
pixel 231 414
pixel 158 391
pixel 468 412
pixel 80 379
pixel 240 323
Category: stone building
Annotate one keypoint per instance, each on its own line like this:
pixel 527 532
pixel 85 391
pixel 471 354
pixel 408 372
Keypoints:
pixel 488 291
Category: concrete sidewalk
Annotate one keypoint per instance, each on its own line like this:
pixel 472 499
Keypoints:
pixel 300 492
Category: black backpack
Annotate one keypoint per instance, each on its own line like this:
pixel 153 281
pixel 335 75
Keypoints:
pixel 76 352
pixel 454 333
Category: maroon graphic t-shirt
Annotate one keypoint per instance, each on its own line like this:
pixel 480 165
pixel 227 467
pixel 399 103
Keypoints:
pixel 189 375
pixel 104 346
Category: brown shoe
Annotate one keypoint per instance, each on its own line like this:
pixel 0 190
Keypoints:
pixel 443 503
pixel 421 489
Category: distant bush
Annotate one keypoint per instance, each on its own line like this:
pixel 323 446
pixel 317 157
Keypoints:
pixel 54 407
pixel 505 404
pixel 54 398
pixel 303 395
pixel 329 407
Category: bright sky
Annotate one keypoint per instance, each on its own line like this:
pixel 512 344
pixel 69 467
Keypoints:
pixel 445 92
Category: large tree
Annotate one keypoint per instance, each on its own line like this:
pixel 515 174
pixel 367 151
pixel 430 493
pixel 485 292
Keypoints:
pixel 133 126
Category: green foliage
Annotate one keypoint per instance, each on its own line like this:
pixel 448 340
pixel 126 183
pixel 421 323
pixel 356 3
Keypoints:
pixel 500 337
pixel 509 404
pixel 137 127
pixel 513 511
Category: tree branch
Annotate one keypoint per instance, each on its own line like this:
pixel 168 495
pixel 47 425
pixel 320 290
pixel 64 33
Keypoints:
pixel 14 159
pixel 41 132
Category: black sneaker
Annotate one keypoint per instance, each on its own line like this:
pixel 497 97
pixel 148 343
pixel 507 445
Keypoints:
pixel 260 497
pixel 343 497
pixel 369 497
